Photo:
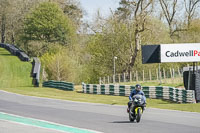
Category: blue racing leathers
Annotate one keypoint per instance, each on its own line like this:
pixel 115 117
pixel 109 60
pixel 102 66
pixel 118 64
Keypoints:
pixel 135 92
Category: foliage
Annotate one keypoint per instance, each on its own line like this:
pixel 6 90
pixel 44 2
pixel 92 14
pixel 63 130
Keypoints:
pixel 60 65
pixel 72 9
pixel 48 23
pixel 103 47
pixel 192 34
pixel 115 39
pixel 45 25
pixel 74 12
pixel 135 11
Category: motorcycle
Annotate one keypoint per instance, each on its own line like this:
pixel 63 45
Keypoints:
pixel 136 108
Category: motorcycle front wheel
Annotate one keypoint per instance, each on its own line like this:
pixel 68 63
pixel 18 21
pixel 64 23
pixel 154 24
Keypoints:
pixel 131 117
pixel 138 116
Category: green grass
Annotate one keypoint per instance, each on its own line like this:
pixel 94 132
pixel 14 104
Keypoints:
pixel 105 99
pixel 176 82
pixel 13 72
pixel 15 77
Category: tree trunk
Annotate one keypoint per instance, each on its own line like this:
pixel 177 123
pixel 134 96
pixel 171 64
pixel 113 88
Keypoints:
pixel 13 35
pixel 137 48
pixel 3 28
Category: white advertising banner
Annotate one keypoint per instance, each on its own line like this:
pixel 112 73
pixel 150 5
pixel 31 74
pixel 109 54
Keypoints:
pixel 186 52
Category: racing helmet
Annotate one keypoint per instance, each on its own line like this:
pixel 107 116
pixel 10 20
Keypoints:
pixel 138 87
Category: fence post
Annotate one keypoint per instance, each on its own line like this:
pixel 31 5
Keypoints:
pixel 179 72
pixel 143 75
pixel 164 76
pixel 44 75
pixel 136 76
pixel 124 77
pixel 150 74
pixel 171 72
pixel 164 73
pixel 130 76
pixel 100 80
pixel 160 76
pixel 157 73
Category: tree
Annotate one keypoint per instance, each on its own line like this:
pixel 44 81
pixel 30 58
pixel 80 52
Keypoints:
pixel 190 7
pixel 114 40
pixel 104 46
pixel 137 10
pixel 12 14
pixel 169 10
pixel 3 28
pixel 74 12
pixel 60 65
pixel 48 23
pixel 3 20
pixel 71 9
pixel 191 35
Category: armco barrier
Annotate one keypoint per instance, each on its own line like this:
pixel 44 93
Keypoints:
pixel 167 93
pixel 59 85
pixel 36 71
pixel 15 51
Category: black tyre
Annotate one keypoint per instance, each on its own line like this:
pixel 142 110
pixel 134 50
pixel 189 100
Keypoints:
pixel 131 117
pixel 138 117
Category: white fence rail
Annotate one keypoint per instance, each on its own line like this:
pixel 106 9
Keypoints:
pixel 144 75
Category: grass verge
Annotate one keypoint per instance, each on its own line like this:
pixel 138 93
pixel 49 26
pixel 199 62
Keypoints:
pixel 15 77
pixel 77 95
pixel 175 82
pixel 13 72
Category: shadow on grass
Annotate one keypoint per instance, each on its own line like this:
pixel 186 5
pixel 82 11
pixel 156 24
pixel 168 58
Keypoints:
pixel 167 102
pixel 26 86
pixel 6 55
pixel 63 89
pixel 80 92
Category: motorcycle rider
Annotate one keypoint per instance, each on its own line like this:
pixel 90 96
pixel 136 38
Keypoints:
pixel 136 91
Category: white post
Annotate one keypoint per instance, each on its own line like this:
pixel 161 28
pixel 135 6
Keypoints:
pixel 143 75
pixel 164 76
pixel 157 73
pixel 100 80
pixel 179 73
pixel 164 73
pixel 136 76
pixel 124 77
pixel 150 74
pixel 130 76
pixel 160 74
pixel 114 68
pixel 171 72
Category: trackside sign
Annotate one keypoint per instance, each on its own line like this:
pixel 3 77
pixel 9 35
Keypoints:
pixel 189 52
